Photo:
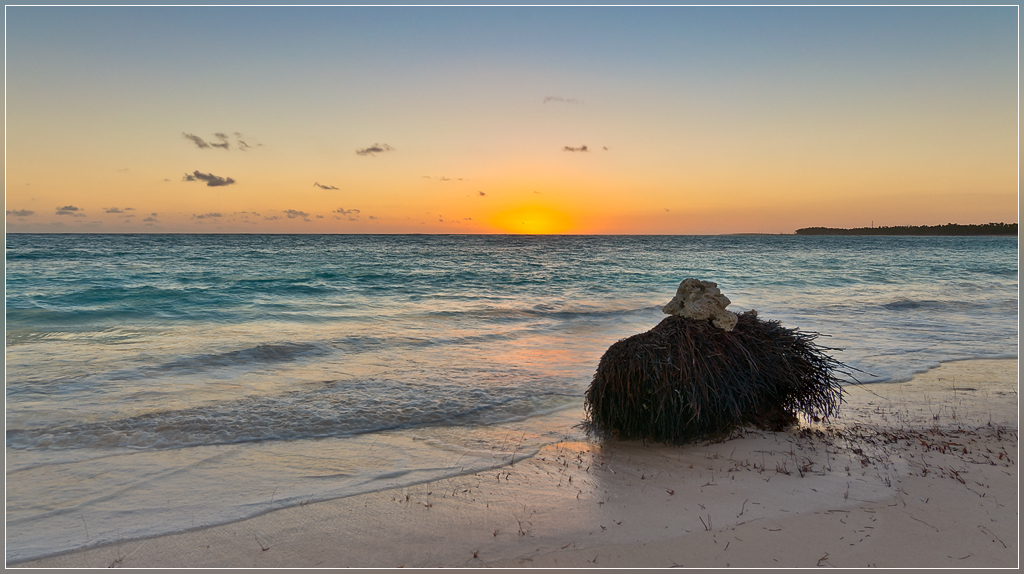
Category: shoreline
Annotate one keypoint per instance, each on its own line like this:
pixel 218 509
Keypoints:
pixel 913 474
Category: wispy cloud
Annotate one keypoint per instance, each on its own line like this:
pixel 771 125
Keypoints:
pixel 210 179
pixel 271 218
pixel 200 142
pixel 70 210
pixel 294 213
pixel 444 178
pixel 21 212
pixel 374 149
pixel 207 215
pixel 222 141
pixel 151 218
pixel 351 214
pixel 321 186
pixel 569 148
pixel 242 144
pixel 561 100
pixel 112 210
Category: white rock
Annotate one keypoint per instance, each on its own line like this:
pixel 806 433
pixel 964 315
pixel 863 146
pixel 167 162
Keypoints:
pixel 696 299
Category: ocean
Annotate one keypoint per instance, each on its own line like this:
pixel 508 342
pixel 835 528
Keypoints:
pixel 161 383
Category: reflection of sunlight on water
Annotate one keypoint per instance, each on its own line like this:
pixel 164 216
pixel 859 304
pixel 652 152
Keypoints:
pixel 545 359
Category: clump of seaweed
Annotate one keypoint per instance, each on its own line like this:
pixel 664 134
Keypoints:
pixel 687 380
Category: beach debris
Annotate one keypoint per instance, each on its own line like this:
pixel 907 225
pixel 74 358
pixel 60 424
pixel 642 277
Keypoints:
pixel 699 374
pixel 696 299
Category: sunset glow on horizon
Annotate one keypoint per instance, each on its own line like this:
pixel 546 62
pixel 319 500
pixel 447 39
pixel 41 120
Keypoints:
pixel 591 120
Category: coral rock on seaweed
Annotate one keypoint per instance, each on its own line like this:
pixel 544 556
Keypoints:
pixel 696 299
pixel 690 378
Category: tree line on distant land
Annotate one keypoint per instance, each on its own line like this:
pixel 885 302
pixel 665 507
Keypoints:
pixel 947 229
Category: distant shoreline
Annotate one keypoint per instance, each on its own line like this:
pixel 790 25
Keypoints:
pixel 949 229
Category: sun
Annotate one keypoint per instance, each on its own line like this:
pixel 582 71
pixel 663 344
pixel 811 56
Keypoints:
pixel 532 220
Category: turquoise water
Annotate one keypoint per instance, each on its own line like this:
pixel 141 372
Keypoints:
pixel 160 383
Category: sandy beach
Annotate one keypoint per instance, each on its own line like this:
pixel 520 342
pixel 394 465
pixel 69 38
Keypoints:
pixel 914 474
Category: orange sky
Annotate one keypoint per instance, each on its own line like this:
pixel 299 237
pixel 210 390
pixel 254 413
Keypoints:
pixel 694 121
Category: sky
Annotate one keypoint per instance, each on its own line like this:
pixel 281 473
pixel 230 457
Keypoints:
pixel 590 120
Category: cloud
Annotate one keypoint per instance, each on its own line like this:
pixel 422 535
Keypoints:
pixel 70 210
pixel 223 143
pixel 605 148
pixel 271 218
pixel 467 219
pixel 375 148
pixel 581 148
pixel 200 142
pixel 329 187
pixel 321 217
pixel 151 218
pixel 293 213
pixel 242 145
pixel 444 178
pixel 112 210
pixel 344 211
pixel 560 99
pixel 482 194
pixel 210 179
pixel 153 214
pixel 129 209
pixel 21 212
pixel 206 215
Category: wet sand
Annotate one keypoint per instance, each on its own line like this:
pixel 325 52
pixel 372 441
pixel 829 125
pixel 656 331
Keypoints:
pixel 914 474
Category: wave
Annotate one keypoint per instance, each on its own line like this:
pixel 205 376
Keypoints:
pixel 908 304
pixel 46 384
pixel 338 409
pixel 260 354
pixel 544 311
